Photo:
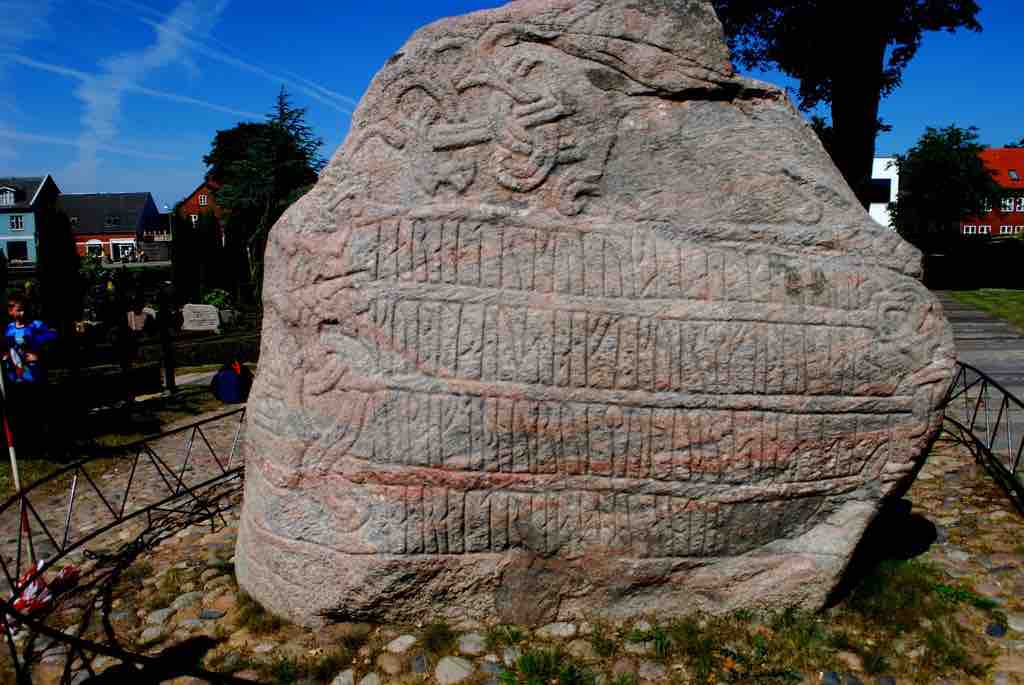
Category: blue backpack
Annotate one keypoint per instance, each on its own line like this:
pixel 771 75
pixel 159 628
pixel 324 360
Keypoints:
pixel 231 385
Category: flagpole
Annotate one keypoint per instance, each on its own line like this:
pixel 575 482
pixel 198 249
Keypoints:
pixel 12 453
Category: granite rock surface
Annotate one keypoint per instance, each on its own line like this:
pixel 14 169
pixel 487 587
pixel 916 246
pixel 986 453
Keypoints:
pixel 578 321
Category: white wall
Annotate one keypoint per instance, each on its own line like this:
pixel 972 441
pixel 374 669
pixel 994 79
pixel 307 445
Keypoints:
pixel 881 170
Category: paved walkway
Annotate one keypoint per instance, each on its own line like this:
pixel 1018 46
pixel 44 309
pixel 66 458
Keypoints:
pixel 987 343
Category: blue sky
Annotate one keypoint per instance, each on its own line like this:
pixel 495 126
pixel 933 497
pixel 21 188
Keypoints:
pixel 125 95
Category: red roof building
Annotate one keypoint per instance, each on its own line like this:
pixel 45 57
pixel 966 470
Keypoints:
pixel 202 199
pixel 1007 165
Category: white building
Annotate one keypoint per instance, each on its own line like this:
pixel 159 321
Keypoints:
pixel 885 182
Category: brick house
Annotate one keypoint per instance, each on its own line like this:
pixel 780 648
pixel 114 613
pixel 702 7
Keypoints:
pixel 23 203
pixel 111 225
pixel 1007 164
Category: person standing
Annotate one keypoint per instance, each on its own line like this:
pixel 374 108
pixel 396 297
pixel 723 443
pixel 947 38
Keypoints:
pixel 24 370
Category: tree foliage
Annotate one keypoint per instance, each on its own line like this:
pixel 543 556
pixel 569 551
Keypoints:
pixel 942 180
pixel 261 169
pixel 57 263
pixel 847 55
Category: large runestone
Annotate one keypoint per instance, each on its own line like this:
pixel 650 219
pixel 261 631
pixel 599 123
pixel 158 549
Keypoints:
pixel 577 322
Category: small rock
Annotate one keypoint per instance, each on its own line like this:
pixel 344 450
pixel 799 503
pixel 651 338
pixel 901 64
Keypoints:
pixel 649 670
pixel 886 680
pixel 851 680
pixel 586 628
pixel 390 663
pixel 160 616
pixel 188 587
pixel 493 658
pixel 995 630
pixel 582 649
pixel 186 600
pixel 211 614
pixel 217 582
pixel 623 667
pixel 401 644
pixel 209 574
pixel 557 630
pixel 642 626
pixel 370 679
pixel 151 635
pixel 472 644
pixel 190 623
pixel 957 554
pixel 419 664
pixel 1016 622
pixel 491 668
pixel 453 669
pixel 264 648
pixel 831 678
pixel 511 655
pixel 852 661
pixel 344 678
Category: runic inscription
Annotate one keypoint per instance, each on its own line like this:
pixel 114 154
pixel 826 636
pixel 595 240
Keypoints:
pixel 579 316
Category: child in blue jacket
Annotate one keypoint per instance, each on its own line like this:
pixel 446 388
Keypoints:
pixel 24 342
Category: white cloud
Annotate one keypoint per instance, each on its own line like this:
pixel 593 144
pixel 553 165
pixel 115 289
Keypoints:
pixel 103 94
pixel 161 94
pixel 316 91
pixel 94 147
pixel 23 21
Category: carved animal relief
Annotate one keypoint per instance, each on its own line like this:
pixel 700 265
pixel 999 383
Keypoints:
pixel 578 321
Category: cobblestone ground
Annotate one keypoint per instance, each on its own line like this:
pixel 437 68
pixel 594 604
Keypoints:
pixel 186 589
pixel 152 480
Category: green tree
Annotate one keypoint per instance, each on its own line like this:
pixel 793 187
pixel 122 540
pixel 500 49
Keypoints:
pixel 847 55
pixel 262 168
pixel 942 180
pixel 57 264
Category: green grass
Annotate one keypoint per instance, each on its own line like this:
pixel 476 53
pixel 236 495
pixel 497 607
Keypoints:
pixel 1005 304
pixel 503 636
pixel 547 667
pixel 254 617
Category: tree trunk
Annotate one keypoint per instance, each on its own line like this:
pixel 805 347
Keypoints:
pixel 858 66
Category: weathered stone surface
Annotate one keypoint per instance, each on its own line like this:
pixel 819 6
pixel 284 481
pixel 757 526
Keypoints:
pixel 577 321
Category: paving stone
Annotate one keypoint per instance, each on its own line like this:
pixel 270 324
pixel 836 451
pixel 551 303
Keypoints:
pixel 160 616
pixel 472 644
pixel 831 678
pixel 390 663
pixel 401 644
pixel 186 600
pixel 264 648
pixel 453 669
pixel 1016 622
pixel 581 649
pixel 995 630
pixel 151 635
pixel 190 623
pixel 344 678
pixel 886 680
pixel 211 614
pixel 492 668
pixel 557 630
pixel 370 679
pixel 650 670
pixel 623 667
pixel 419 664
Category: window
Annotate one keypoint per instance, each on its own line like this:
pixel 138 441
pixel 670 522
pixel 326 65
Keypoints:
pixel 986 205
pixel 194 218
pixel 1020 205
pixel 1008 204
pixel 17 250
pixel 1014 176
pixel 1005 230
pixel 204 200
pixel 1018 229
pixel 6 197
pixel 969 229
pixel 984 230
pixel 112 220
pixel 17 222
pixel 94 248
pixel 124 252
pixel 74 221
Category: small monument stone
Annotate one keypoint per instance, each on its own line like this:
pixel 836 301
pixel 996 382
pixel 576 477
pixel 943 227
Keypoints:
pixel 200 317
pixel 578 322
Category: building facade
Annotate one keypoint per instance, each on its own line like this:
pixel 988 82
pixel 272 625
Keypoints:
pixel 111 225
pixel 24 201
pixel 1007 166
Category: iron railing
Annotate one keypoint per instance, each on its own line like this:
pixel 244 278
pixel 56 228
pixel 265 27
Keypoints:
pixel 153 488
pixel 989 420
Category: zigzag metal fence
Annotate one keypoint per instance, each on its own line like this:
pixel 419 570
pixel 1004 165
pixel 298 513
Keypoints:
pixel 989 420
pixel 57 556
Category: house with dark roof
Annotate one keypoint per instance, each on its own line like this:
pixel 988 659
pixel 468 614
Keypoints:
pixel 111 225
pixel 1007 167
pixel 24 201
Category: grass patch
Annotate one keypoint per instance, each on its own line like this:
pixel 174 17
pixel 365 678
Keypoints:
pixel 438 638
pixel 547 667
pixel 603 640
pixel 253 617
pixel 1004 304
pixel 167 589
pixel 504 636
